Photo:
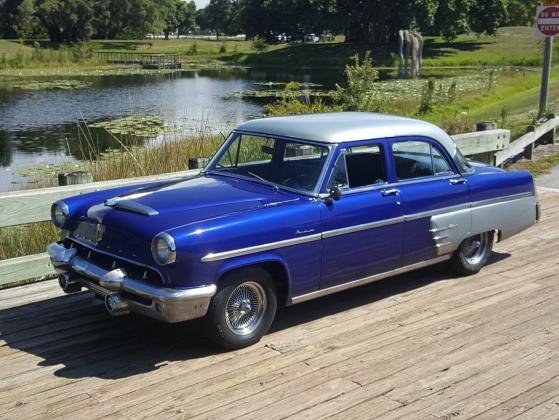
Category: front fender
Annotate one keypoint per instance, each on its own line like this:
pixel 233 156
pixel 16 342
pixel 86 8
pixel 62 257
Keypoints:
pixel 250 260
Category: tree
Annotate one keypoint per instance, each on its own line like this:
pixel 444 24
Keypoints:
pixel 218 15
pixel 486 16
pixel 66 20
pixel 18 18
pixel 521 12
pixel 186 17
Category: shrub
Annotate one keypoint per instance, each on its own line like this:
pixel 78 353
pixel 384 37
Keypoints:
pixel 358 94
pixel 193 50
pixel 426 104
pixel 295 106
pixel 292 86
pixel 259 44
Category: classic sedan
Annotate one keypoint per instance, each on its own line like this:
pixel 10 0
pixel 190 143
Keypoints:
pixel 289 209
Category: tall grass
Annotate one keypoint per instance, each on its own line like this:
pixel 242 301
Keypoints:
pixel 17 241
pixel 24 57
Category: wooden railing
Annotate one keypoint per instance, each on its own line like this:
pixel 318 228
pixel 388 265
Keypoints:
pixel 31 206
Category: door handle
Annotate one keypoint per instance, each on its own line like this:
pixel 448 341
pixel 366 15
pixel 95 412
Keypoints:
pixel 457 181
pixel 390 191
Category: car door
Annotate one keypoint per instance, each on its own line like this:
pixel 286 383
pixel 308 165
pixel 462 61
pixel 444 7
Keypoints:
pixel 430 186
pixel 362 231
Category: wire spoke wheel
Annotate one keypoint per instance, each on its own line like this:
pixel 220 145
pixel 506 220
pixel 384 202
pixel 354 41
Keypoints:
pixel 245 308
pixel 474 248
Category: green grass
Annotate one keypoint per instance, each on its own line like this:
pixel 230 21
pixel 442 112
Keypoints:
pixel 512 46
pixel 17 241
pixel 537 167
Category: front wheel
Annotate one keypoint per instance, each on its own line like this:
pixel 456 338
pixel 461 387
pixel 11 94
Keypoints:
pixel 472 254
pixel 243 308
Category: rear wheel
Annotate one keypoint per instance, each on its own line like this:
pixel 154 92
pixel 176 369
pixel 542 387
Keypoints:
pixel 243 308
pixel 472 254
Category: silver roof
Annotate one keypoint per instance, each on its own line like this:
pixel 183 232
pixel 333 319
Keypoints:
pixel 341 127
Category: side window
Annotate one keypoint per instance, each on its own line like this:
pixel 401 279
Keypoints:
pixel 361 166
pixel 440 165
pixel 415 159
pixel 339 174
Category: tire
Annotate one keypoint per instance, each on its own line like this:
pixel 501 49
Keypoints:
pixel 472 254
pixel 243 309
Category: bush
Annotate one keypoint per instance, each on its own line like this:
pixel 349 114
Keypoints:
pixel 292 86
pixel 426 104
pixel 193 50
pixel 222 48
pixel 259 44
pixel 296 106
pixel 358 94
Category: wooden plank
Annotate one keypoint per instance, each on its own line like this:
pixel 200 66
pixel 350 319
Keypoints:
pixel 37 202
pixel 482 141
pixel 19 270
pixel 422 345
pixel 517 147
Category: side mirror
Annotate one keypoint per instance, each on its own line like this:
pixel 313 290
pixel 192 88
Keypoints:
pixel 335 193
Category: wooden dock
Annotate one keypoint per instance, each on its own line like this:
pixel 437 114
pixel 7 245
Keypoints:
pixel 422 345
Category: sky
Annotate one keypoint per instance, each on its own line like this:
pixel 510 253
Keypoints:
pixel 201 3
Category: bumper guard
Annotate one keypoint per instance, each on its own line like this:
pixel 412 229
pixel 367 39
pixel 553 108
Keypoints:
pixel 130 294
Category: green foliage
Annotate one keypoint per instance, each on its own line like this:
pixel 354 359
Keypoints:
pixel 357 94
pixel 292 86
pixel 259 44
pixel 451 93
pixel 193 50
pixel 295 106
pixel 427 95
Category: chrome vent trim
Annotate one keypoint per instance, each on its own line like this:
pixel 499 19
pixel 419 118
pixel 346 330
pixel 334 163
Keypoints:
pixel 132 206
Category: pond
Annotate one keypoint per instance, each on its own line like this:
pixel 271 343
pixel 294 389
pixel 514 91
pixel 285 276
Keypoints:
pixel 40 126
pixel 39 119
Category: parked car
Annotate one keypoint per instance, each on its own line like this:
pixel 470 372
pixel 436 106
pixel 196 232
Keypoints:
pixel 289 209
pixel 311 38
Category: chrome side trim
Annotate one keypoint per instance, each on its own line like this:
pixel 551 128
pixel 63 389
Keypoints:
pixel 364 226
pixel 430 213
pixel 366 280
pixel 260 248
pixel 501 199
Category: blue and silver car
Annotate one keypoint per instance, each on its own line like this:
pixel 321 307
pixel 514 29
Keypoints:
pixel 289 209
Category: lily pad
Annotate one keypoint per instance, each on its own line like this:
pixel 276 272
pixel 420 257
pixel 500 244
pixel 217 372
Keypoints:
pixel 134 125
pixel 52 85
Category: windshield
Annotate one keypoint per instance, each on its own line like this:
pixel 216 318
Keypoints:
pixel 274 161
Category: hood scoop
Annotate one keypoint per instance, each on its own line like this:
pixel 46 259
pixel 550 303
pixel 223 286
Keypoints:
pixel 131 206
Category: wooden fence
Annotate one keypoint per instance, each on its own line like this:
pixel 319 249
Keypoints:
pixel 31 206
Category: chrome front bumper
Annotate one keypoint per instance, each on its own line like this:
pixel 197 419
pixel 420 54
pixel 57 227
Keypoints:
pixel 130 294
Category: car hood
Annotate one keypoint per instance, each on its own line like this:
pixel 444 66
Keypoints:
pixel 186 201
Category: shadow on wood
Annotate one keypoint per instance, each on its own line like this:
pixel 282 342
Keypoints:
pixel 75 331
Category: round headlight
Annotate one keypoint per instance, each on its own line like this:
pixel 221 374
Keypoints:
pixel 59 214
pixel 163 248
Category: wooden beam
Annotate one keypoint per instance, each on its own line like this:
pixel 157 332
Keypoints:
pixel 36 203
pixel 482 141
pixel 16 271
pixel 518 146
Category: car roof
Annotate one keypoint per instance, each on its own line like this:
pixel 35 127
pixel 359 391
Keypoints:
pixel 343 127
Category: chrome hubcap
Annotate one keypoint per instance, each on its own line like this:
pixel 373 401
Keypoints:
pixel 245 308
pixel 475 247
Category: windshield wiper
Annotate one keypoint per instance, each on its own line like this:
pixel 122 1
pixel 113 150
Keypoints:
pixel 264 180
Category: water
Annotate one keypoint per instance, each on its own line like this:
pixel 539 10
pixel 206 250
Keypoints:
pixel 39 127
